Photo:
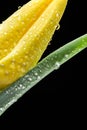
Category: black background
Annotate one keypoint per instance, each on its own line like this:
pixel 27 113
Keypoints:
pixel 49 97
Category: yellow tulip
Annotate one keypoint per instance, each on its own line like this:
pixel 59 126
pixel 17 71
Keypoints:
pixel 24 37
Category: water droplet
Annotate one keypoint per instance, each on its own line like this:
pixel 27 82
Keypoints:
pixel 1 111
pixel 19 7
pixel 58 27
pixel 23 22
pixel 57 15
pixel 5 33
pixel 24 48
pixel 6 72
pixel 49 43
pixel 29 79
pixel 23 70
pixel 19 18
pixel 26 76
pixel 26 56
pixel 66 56
pixel 12 66
pixel 13 61
pixel 38 77
pixel 83 40
pixel 2 65
pixel 20 87
pixel 43 19
pixel 7 92
pixel 30 4
pixel 11 26
pixel 24 64
pixel 36 73
pixel 5 50
pixel 3 21
pixel 57 65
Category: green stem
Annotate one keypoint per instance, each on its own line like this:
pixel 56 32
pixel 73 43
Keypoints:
pixel 47 65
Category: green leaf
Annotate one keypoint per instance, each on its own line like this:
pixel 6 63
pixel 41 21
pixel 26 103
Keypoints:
pixel 52 62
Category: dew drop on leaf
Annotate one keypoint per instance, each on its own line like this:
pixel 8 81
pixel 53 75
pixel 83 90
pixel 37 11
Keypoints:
pixel 57 65
pixel 66 56
pixel 30 79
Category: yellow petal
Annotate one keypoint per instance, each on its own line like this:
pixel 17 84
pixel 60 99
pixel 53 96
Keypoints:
pixel 13 29
pixel 28 37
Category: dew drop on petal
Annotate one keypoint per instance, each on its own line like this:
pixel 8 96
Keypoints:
pixel 5 50
pixel 49 43
pixel 19 7
pixel 24 64
pixel 58 27
pixel 6 72
pixel 1 65
pixel 57 15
